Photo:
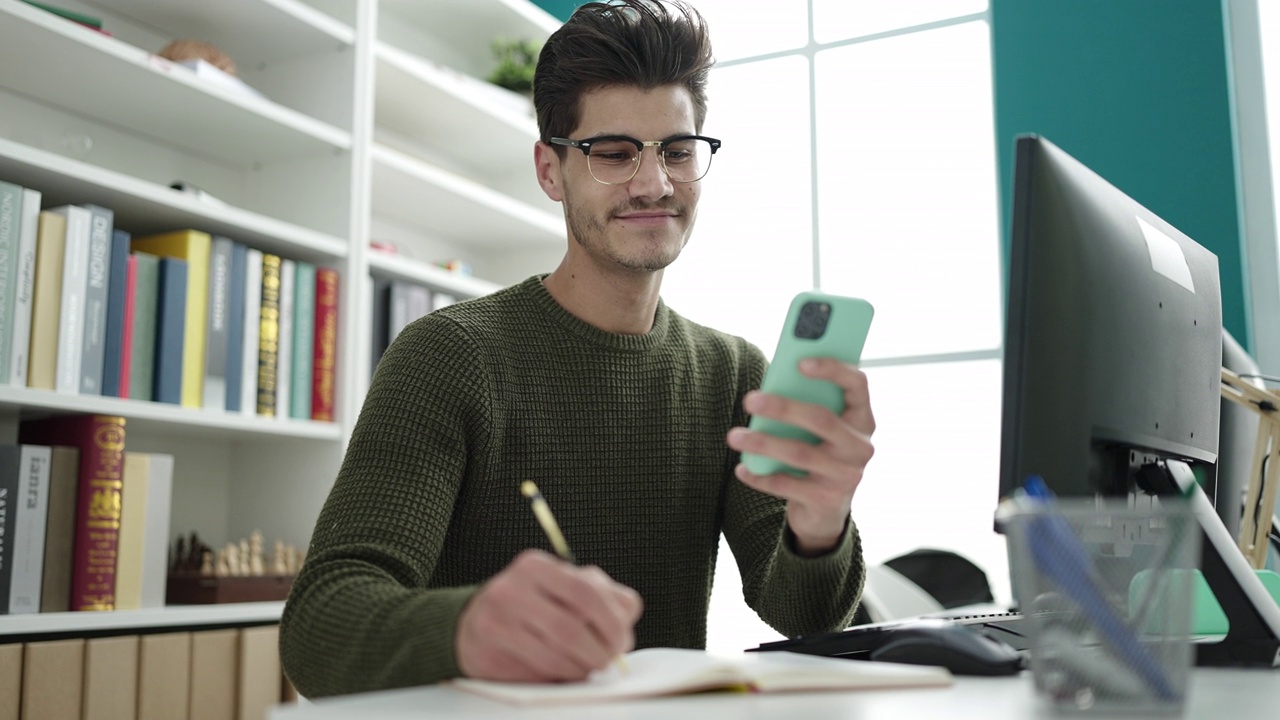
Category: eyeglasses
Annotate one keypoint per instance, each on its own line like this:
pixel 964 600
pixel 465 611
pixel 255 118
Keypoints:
pixel 615 159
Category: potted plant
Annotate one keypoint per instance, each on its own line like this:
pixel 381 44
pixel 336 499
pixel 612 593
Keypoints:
pixel 516 62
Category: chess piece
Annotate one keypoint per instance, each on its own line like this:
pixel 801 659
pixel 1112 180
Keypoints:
pixel 223 568
pixel 291 559
pixel 178 560
pixel 233 559
pixel 255 554
pixel 206 565
pixel 278 566
pixel 244 558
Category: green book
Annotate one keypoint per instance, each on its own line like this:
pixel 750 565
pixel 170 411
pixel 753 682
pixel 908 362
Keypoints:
pixel 10 232
pixel 142 348
pixel 72 15
pixel 304 319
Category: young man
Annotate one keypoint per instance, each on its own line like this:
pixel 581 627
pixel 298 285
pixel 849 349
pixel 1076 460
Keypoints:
pixel 629 417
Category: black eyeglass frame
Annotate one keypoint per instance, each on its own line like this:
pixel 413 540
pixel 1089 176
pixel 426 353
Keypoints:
pixel 585 146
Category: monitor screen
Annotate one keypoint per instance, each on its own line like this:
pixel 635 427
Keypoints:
pixel 1112 369
pixel 1113 334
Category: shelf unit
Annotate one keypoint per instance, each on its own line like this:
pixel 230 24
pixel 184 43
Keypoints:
pixel 373 123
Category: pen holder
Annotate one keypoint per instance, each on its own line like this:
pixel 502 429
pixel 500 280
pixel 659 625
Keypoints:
pixel 1107 594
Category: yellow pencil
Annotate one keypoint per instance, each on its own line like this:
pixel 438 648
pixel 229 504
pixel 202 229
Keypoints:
pixel 542 511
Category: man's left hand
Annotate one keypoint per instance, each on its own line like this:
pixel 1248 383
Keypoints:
pixel 817 505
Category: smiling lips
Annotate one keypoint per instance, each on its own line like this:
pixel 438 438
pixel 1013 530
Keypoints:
pixel 648 218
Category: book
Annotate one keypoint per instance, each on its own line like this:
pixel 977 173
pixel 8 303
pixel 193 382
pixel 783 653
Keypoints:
pixel 52 679
pixel 60 530
pixel 169 369
pixel 29 529
pixel 252 331
pixel 656 672
pixel 76 17
pixel 46 304
pixel 304 326
pixel 381 304
pixel 284 339
pixel 97 277
pixel 24 288
pixel 235 327
pixel 10 488
pixel 133 523
pixel 268 335
pixel 100 439
pixel 126 327
pixel 111 678
pixel 117 288
pixel 259 671
pixel 216 343
pixel 10 679
pixel 194 247
pixel 213 674
pixel 10 239
pixel 146 307
pixel 155 541
pixel 75 274
pixel 324 363
pixel 164 676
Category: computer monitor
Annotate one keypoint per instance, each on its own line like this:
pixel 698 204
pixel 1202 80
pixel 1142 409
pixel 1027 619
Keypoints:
pixel 1113 349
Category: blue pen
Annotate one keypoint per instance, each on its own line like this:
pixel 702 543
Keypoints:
pixel 1059 555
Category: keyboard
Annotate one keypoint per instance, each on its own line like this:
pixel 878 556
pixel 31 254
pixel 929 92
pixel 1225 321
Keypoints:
pixel 858 642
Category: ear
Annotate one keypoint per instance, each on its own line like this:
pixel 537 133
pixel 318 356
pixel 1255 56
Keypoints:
pixel 547 164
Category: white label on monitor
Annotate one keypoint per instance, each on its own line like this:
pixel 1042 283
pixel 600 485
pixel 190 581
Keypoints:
pixel 1167 257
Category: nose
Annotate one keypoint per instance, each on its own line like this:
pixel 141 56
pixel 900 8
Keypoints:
pixel 651 179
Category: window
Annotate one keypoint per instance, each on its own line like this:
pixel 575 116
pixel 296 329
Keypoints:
pixel 859 157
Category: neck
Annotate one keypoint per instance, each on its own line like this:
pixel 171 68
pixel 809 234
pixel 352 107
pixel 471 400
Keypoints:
pixel 624 304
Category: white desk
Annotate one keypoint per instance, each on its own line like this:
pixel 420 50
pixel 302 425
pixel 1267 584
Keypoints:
pixel 1215 693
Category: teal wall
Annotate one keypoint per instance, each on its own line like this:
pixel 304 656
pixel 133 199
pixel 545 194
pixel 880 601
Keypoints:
pixel 1138 91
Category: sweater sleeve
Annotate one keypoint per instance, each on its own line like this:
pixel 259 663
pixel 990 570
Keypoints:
pixel 358 617
pixel 794 595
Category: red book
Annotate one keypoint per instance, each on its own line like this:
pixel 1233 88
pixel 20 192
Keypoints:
pixel 126 346
pixel 324 359
pixel 100 439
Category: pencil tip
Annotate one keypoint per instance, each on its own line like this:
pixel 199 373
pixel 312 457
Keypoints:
pixel 528 488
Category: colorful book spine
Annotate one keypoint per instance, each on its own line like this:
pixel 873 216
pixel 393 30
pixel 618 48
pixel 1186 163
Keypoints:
pixel 126 329
pixel 269 335
pixel 101 441
pixel 142 352
pixel 28 540
pixel 98 275
pixel 252 331
pixel 10 238
pixel 235 327
pixel 194 247
pixel 46 304
pixel 113 342
pixel 304 327
pixel 325 356
pixel 218 327
pixel 24 290
pixel 168 372
pixel 284 338
pixel 75 274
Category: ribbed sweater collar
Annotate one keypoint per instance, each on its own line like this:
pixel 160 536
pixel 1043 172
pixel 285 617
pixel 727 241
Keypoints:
pixel 542 301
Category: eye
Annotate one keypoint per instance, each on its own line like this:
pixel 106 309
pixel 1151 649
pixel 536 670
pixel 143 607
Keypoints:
pixel 613 152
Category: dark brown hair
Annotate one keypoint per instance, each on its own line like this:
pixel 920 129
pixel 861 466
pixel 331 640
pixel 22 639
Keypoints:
pixel 639 43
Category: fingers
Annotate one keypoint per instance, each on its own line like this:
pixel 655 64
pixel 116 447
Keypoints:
pixel 542 619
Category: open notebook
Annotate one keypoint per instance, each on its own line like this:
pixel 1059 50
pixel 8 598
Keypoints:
pixel 668 671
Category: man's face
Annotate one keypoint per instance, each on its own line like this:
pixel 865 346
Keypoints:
pixel 641 225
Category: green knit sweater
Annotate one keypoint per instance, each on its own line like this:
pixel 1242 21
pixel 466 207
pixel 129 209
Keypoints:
pixel 625 437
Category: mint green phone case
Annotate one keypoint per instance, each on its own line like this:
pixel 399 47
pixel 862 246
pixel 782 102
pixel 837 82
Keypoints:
pixel 847 322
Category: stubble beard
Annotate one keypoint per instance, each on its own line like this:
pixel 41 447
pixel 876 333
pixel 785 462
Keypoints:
pixel 647 255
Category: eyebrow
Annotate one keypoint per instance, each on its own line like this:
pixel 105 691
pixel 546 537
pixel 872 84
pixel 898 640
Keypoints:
pixel 621 136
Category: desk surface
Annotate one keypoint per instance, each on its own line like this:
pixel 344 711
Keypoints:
pixel 1214 693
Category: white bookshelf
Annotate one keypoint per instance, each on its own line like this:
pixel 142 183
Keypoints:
pixel 357 133
pixel 172 616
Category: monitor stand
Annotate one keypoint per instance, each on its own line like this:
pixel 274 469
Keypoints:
pixel 1253 637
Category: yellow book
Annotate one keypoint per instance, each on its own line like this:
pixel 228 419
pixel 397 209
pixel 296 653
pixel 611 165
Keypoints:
pixel 46 305
pixel 133 524
pixel 194 247
pixel 656 672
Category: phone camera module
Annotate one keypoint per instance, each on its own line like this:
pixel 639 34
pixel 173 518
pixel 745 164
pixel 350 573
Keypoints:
pixel 812 323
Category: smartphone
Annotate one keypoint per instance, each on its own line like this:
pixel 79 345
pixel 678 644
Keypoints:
pixel 818 326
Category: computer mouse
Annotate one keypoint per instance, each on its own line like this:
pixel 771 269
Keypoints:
pixel 961 649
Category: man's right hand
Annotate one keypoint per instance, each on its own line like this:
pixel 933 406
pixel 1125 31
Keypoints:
pixel 543 620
